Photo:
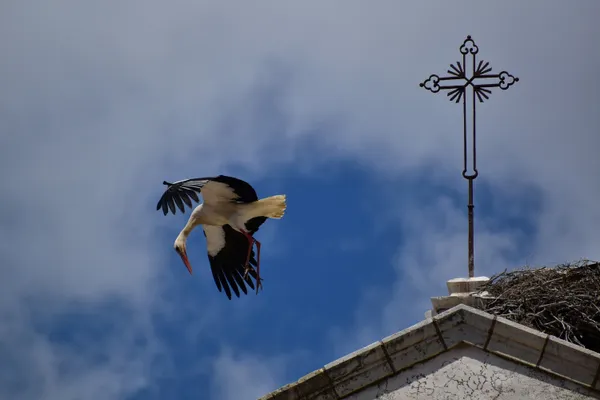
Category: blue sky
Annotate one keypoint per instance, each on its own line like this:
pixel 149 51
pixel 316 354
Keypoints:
pixel 101 102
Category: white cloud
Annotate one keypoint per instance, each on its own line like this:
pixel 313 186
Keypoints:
pixel 38 365
pixel 102 102
pixel 244 376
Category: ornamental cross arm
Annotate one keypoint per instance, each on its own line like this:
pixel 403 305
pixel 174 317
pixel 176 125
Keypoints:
pixel 479 77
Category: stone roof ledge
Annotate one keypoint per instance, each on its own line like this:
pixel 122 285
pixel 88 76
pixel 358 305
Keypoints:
pixel 461 291
pixel 428 338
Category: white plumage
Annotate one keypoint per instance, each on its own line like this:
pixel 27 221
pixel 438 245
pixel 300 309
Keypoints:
pixel 215 239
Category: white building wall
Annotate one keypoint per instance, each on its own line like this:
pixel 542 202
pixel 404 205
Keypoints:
pixel 468 373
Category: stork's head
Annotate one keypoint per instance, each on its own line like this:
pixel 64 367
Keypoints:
pixel 180 248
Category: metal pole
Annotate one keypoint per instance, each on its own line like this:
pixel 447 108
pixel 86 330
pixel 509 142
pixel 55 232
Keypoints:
pixel 470 207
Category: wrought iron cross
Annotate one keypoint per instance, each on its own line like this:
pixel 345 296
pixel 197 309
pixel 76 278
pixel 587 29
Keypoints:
pixel 480 80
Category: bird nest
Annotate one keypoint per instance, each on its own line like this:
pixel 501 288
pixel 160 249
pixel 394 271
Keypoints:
pixel 563 301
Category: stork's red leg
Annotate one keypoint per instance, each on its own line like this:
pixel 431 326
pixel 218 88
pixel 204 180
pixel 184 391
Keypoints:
pixel 258 285
pixel 251 242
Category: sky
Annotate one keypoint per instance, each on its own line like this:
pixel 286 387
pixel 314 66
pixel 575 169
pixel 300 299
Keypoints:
pixel 102 101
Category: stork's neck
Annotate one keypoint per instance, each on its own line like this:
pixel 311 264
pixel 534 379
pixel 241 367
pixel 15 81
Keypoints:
pixel 187 229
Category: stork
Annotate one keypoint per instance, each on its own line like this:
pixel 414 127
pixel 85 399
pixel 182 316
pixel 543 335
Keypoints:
pixel 230 216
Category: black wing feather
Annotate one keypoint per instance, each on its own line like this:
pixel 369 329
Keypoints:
pixel 186 199
pixel 193 195
pixel 240 281
pixel 252 274
pixel 179 202
pixel 232 283
pixel 224 283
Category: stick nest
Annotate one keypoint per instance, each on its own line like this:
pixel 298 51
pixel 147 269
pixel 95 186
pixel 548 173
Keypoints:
pixel 563 301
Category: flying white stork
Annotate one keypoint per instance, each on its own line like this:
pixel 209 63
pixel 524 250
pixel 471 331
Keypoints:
pixel 230 216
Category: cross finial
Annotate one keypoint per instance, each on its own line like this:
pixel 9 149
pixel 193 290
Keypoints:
pixel 480 79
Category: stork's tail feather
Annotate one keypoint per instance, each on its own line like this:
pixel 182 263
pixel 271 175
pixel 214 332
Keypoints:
pixel 271 207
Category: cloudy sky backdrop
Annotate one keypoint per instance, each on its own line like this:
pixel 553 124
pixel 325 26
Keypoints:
pixel 101 101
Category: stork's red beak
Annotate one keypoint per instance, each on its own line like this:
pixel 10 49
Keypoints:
pixel 185 260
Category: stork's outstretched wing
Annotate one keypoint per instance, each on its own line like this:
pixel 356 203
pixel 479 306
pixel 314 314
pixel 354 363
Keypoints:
pixel 180 192
pixel 227 252
pixel 217 189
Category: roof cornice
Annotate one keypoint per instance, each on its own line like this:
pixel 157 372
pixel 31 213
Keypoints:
pixel 429 338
